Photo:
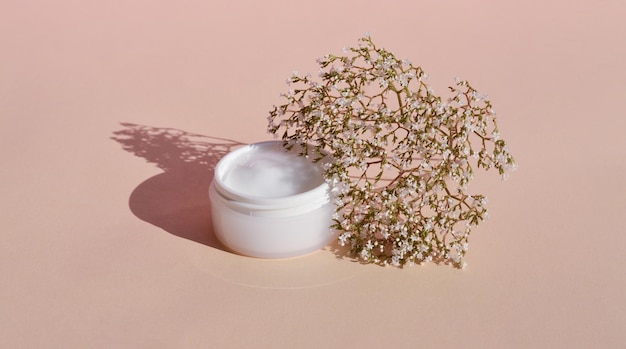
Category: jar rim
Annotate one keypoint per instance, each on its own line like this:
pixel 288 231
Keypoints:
pixel 237 197
pixel 266 210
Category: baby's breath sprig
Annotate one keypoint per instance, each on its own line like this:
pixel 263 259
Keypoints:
pixel 402 156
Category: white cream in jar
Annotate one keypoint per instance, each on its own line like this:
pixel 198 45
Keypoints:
pixel 269 202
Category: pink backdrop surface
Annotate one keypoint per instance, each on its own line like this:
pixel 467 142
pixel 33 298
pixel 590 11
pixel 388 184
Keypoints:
pixel 113 114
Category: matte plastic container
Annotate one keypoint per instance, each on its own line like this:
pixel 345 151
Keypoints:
pixel 270 203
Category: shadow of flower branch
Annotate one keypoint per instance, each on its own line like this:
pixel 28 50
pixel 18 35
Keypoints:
pixel 177 199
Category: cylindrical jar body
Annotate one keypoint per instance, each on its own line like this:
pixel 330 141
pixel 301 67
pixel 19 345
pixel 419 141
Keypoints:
pixel 270 203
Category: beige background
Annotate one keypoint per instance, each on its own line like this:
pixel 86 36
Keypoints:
pixel 105 239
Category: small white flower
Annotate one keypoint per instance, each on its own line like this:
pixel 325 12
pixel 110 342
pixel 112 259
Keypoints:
pixel 365 254
pixel 343 238
pixel 385 234
pixel 395 261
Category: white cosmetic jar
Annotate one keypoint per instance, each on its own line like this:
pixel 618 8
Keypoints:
pixel 268 202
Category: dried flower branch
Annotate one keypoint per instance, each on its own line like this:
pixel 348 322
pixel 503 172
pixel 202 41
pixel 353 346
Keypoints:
pixel 403 157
